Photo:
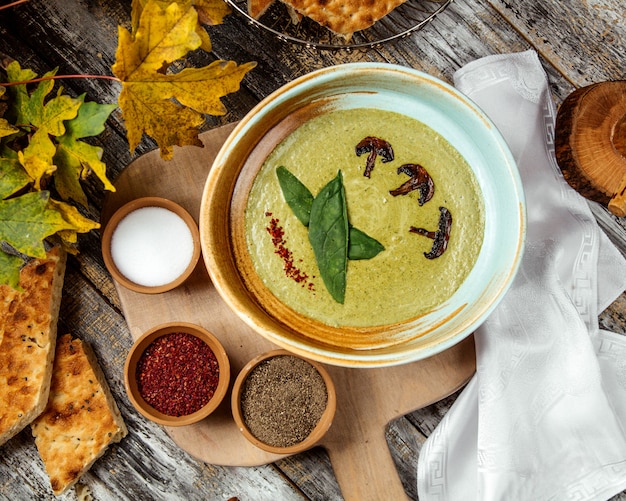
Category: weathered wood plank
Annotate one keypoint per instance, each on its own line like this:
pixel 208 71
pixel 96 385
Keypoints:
pixel 405 442
pixel 579 42
pixel 313 473
pixel 584 40
pixel 147 462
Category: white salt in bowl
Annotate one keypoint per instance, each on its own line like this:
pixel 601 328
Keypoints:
pixel 151 245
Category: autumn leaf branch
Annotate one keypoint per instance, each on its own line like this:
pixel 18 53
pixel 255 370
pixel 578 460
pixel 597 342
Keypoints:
pixel 43 155
pixel 60 77
pixel 12 4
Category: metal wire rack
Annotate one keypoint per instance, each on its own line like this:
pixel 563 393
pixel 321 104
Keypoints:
pixel 405 19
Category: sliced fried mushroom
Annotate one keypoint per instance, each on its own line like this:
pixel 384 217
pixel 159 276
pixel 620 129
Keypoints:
pixel 590 143
pixel 374 146
pixel 420 180
pixel 440 237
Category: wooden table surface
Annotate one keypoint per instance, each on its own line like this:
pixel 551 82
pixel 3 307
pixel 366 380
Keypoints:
pixel 579 42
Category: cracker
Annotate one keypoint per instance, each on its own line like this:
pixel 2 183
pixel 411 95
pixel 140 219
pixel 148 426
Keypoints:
pixel 256 8
pixel 81 419
pixel 344 17
pixel 29 330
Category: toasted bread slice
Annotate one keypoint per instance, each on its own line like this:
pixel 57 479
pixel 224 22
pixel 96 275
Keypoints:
pixel 81 419
pixel 29 330
pixel 7 298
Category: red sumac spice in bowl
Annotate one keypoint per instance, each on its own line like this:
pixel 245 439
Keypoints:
pixel 283 403
pixel 177 374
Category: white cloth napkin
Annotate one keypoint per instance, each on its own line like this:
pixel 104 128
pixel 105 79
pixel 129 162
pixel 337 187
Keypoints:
pixel 544 418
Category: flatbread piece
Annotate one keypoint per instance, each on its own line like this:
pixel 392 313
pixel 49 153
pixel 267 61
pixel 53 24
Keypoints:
pixel 81 419
pixel 29 330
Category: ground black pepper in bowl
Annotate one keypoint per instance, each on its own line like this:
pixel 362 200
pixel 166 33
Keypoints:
pixel 282 400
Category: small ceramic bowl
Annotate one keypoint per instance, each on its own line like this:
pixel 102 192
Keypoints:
pixel 132 368
pixel 153 253
pixel 269 420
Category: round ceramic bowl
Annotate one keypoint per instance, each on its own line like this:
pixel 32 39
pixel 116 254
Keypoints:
pixel 390 88
pixel 176 345
pixel 270 421
pixel 157 261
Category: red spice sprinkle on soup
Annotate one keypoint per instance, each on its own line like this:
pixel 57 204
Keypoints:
pixel 177 374
pixel 277 233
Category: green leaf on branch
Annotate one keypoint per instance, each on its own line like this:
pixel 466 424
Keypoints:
pixel 13 177
pixel 10 270
pixel 34 108
pixel 75 223
pixel 45 116
pixel 19 93
pixel 76 159
pixel 26 221
pixel 52 116
pixel 48 145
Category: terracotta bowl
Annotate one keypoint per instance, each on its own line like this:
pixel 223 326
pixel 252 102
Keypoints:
pixel 135 355
pixel 124 211
pixel 318 431
pixel 363 85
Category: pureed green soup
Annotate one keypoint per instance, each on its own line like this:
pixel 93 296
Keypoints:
pixel 399 283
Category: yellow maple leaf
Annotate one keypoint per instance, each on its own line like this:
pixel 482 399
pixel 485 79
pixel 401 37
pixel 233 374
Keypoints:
pixel 36 158
pixel 6 129
pixel 169 107
pixel 210 12
pixel 148 115
pixel 75 223
pixel 162 36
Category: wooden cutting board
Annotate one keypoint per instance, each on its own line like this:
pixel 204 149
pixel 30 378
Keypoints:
pixel 367 399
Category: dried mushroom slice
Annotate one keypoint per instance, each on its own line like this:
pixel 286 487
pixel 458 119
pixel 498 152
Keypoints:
pixel 419 180
pixel 590 143
pixel 375 147
pixel 440 237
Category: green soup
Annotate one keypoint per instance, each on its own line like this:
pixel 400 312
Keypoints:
pixel 398 284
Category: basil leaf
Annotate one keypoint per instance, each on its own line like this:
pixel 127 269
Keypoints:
pixel 328 235
pixel 297 196
pixel 362 246
pixel 333 239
